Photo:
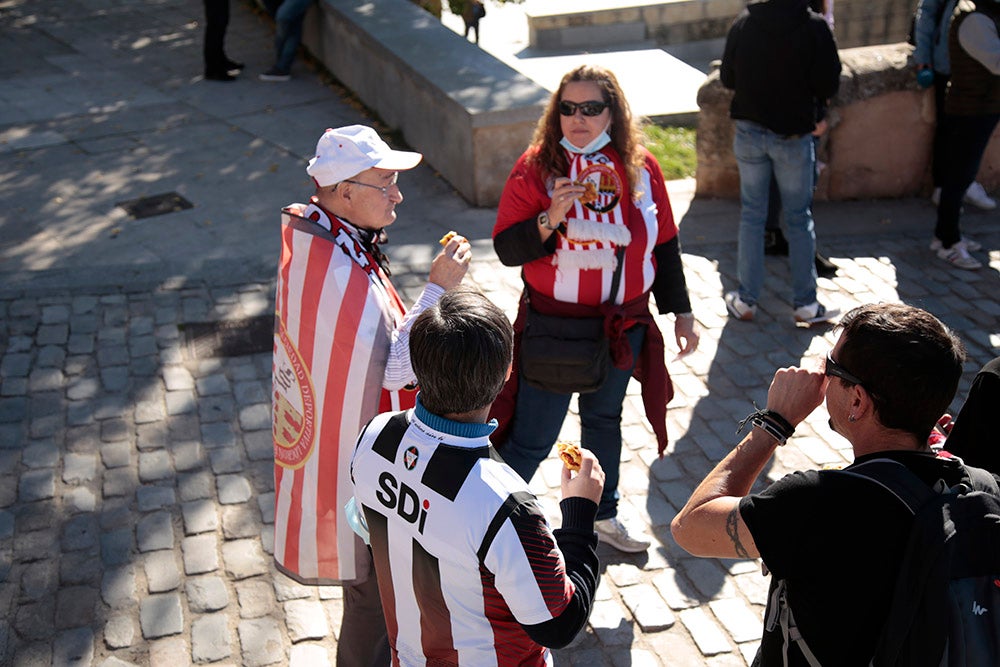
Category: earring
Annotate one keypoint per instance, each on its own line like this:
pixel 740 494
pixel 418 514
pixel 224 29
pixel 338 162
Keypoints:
pixel 851 418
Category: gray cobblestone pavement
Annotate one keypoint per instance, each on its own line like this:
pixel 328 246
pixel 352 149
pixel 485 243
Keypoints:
pixel 136 480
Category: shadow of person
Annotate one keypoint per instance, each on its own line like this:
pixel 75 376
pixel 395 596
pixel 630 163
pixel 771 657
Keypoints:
pixel 715 389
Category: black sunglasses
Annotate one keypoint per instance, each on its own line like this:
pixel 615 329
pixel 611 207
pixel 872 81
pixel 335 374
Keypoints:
pixel 835 369
pixel 592 108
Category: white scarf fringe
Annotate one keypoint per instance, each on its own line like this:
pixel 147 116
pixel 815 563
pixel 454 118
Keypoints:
pixel 577 260
pixel 578 229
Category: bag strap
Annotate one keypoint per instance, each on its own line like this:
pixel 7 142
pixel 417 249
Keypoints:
pixel 982 480
pixel 895 478
pixel 909 489
pixel 617 277
pixel 780 614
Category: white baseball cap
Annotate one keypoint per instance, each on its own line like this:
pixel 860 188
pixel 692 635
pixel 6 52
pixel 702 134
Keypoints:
pixel 347 151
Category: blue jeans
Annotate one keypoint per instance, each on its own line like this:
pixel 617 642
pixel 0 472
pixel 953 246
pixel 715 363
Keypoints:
pixel 288 32
pixel 759 154
pixel 539 414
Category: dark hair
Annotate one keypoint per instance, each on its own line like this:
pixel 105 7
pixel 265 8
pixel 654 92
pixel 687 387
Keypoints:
pixel 626 136
pixel 460 350
pixel 909 361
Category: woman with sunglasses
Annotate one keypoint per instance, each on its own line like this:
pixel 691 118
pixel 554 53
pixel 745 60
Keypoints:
pixel 584 196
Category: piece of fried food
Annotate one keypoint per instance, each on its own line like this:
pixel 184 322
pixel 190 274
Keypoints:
pixel 448 237
pixel 590 195
pixel 570 455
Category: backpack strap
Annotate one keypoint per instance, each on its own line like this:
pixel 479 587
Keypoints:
pixel 895 478
pixel 982 480
pixel 909 489
pixel 780 614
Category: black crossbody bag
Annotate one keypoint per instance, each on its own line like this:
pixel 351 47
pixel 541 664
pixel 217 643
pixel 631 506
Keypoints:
pixel 567 355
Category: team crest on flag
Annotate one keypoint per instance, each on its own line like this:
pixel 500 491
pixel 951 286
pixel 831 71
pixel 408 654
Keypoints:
pixel 293 403
pixel 410 457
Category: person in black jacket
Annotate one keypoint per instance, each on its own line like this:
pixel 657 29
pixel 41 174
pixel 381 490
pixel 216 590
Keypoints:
pixel 775 242
pixel 781 61
pixel 974 435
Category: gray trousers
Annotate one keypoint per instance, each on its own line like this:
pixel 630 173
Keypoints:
pixel 363 639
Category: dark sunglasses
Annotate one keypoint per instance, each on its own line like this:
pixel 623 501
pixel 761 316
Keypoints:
pixel 835 369
pixel 592 108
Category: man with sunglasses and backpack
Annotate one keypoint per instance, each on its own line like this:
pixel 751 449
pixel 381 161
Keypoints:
pixel 834 541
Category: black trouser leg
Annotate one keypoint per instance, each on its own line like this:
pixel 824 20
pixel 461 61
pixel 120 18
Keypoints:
pixel 965 142
pixel 216 22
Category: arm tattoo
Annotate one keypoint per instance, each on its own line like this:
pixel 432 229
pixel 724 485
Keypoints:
pixel 733 530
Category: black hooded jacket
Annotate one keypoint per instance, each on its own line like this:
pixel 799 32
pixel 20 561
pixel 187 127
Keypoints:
pixel 782 61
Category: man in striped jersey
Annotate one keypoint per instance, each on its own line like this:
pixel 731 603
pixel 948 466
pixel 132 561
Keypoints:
pixel 341 354
pixel 468 569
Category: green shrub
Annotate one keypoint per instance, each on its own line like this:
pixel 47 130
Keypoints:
pixel 674 148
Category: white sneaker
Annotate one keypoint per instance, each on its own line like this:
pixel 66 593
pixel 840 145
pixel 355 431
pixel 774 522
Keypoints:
pixel 970 245
pixel 274 74
pixel 958 255
pixel 814 313
pixel 738 308
pixel 976 195
pixel 936 196
pixel 612 531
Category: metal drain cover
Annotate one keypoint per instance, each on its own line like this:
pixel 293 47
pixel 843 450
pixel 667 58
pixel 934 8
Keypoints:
pixel 147 207
pixel 228 338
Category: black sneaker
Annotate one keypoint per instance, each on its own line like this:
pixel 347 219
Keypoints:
pixel 219 76
pixel 232 65
pixel 824 267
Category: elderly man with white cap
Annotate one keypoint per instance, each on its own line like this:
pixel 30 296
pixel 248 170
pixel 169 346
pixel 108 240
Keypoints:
pixel 341 356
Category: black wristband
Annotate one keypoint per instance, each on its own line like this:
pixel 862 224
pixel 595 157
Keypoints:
pixel 771 423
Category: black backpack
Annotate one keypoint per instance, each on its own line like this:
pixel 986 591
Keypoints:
pixel 945 609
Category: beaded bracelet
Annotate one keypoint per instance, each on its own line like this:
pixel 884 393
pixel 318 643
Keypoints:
pixel 771 423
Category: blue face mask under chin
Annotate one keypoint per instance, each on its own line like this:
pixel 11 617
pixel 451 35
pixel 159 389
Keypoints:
pixel 599 142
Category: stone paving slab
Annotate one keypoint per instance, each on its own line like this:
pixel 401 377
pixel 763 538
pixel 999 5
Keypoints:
pixel 194 538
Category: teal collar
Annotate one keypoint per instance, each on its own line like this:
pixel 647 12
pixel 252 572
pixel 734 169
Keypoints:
pixel 459 429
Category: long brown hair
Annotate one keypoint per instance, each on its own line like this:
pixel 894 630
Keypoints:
pixel 626 136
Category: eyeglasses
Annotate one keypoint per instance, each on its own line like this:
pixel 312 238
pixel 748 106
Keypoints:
pixel 592 108
pixel 835 369
pixel 385 190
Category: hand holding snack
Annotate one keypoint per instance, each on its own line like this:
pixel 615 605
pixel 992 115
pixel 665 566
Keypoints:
pixel 452 263
pixel 570 455
pixel 588 482
pixel 564 193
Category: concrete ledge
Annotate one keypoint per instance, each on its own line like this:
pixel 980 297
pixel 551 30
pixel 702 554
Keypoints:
pixel 469 114
pixel 558 24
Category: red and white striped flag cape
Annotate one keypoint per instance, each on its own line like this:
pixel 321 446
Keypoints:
pixel 335 313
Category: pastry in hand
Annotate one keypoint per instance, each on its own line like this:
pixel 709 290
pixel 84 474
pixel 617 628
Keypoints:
pixel 590 194
pixel 570 455
pixel 448 237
